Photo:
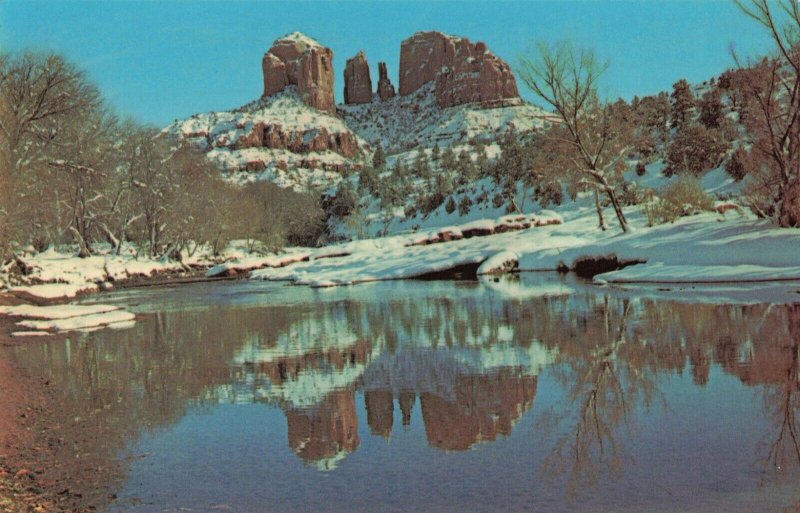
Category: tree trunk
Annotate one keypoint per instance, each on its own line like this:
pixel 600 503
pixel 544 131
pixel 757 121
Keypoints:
pixel 623 223
pixel 789 214
pixel 600 219
pixel 83 248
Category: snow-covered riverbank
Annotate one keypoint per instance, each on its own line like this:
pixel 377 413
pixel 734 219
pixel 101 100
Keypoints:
pixel 706 248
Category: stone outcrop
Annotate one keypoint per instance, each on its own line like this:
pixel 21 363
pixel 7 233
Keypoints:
pixel 357 82
pixel 317 139
pixel 463 72
pixel 298 60
pixel 385 87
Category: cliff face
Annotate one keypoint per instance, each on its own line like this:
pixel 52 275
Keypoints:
pixel 298 60
pixel 462 71
pixel 357 82
pixel 295 134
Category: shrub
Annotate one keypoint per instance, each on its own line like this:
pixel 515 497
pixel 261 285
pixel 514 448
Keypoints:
pixel 464 206
pixel 450 205
pixel 641 169
pixel 735 166
pixel 682 197
pixel 498 200
pixel 629 193
pixel 549 193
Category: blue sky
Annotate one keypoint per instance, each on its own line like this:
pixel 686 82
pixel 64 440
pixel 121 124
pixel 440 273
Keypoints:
pixel 159 61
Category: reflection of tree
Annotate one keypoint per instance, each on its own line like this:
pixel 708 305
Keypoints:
pixel 776 363
pixel 602 396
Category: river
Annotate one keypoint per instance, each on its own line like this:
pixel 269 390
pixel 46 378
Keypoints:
pixel 530 393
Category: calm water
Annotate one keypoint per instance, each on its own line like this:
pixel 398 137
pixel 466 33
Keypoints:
pixel 535 395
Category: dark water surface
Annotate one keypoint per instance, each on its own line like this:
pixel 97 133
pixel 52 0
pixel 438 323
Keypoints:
pixel 531 394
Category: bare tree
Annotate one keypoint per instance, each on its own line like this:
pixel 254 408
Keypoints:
pixel 39 90
pixel 566 78
pixel 775 123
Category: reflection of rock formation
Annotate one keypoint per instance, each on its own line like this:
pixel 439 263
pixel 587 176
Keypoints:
pixel 324 435
pixel 484 407
pixel 407 400
pixel 380 411
pixel 290 368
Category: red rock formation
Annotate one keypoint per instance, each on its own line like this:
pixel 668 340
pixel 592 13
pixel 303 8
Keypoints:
pixel 357 82
pixel 298 60
pixel 385 87
pixel 463 72
pixel 484 407
pixel 274 136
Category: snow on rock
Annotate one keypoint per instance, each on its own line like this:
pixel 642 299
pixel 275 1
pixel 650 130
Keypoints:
pixel 500 263
pixel 81 322
pixel 700 248
pixel 248 263
pixel 277 138
pixel 53 291
pixel 663 273
pixel 55 311
pixel 695 248
pixel 401 123
pixel 45 320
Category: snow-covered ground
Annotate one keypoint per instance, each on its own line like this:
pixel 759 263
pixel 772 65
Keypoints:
pixel 220 134
pixel 413 121
pixel 704 248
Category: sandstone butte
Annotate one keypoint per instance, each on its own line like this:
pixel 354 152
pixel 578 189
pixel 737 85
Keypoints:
pixel 298 60
pixel 357 82
pixel 463 72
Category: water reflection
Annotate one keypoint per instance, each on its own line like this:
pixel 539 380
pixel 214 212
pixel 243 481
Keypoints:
pixel 467 358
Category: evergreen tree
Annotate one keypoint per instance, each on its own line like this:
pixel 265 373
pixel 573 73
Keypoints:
pixel 711 109
pixel 368 180
pixel 421 167
pixel 465 167
pixel 682 102
pixel 448 159
pixel 435 152
pixel 379 158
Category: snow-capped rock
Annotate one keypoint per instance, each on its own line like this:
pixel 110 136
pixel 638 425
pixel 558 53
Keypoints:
pixel 298 60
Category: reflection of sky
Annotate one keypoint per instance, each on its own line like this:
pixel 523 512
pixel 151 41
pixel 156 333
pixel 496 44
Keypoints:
pixel 236 455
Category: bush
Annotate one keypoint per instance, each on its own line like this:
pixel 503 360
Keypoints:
pixel 641 169
pixel 343 203
pixel 629 193
pixel 464 206
pixel 735 166
pixel 450 205
pixel 682 197
pixel 548 193
pixel 498 200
